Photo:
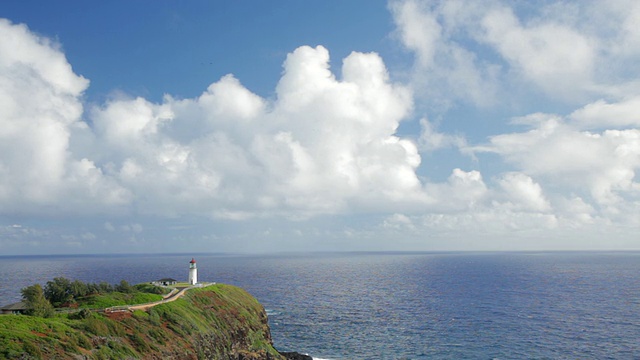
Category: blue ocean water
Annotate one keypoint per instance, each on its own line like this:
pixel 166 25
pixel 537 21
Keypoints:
pixel 405 306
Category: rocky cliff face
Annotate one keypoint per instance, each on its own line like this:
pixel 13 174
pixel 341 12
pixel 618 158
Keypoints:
pixel 216 322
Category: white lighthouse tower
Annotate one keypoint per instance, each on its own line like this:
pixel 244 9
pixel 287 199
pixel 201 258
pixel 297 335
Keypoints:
pixel 193 272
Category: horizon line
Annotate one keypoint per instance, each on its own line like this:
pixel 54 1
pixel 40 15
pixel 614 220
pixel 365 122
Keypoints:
pixel 319 252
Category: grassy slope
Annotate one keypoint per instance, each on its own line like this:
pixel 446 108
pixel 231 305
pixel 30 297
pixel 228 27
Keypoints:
pixel 219 321
pixel 116 299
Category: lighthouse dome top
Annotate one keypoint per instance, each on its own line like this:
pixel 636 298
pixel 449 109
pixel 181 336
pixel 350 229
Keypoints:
pixel 193 261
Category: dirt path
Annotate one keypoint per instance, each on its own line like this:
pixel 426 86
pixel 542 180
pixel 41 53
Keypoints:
pixel 172 296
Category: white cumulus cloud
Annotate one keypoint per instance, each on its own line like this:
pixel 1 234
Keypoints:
pixel 329 146
pixel 602 163
pixel 323 145
pixel 41 108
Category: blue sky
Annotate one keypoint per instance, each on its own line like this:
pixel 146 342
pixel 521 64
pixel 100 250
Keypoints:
pixel 319 126
pixel 181 49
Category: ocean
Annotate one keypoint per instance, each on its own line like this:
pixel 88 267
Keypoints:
pixel 556 305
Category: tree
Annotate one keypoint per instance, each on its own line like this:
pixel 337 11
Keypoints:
pixel 36 302
pixel 124 287
pixel 105 288
pixel 79 289
pixel 58 291
pixel 93 288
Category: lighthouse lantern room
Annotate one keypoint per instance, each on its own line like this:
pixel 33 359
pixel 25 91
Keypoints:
pixel 193 272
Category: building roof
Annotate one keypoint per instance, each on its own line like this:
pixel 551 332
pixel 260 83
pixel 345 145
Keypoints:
pixel 193 261
pixel 167 280
pixel 21 305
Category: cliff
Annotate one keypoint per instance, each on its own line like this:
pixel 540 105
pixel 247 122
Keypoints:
pixel 215 322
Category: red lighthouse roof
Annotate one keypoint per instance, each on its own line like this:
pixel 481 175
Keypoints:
pixel 193 261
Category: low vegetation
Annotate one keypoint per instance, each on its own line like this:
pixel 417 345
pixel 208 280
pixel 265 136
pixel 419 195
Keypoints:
pixel 64 293
pixel 215 322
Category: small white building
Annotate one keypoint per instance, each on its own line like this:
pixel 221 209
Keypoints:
pixel 164 282
pixel 193 272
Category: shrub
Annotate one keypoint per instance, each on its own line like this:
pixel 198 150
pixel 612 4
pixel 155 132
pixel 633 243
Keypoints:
pixel 32 350
pixel 96 326
pixel 150 289
pixel 124 287
pixel 82 314
pixel 140 314
pixel 154 318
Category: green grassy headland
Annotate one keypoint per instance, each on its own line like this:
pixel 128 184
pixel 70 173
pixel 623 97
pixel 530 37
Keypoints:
pixel 213 322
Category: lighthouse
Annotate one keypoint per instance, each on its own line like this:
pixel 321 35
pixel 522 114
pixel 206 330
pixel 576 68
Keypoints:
pixel 193 272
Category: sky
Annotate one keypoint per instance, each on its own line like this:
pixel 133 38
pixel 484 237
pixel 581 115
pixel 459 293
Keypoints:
pixel 253 127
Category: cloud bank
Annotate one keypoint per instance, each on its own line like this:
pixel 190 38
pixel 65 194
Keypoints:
pixel 324 145
pixel 329 146
pixel 573 173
